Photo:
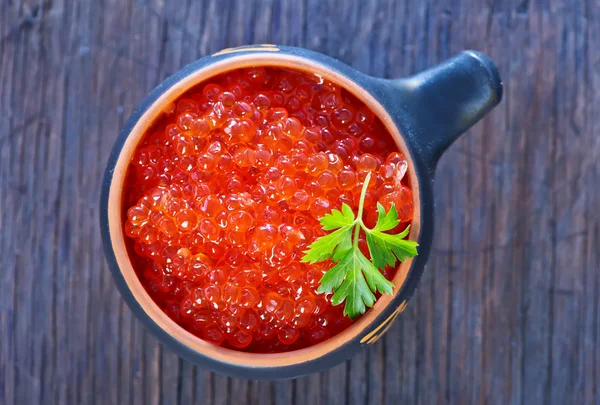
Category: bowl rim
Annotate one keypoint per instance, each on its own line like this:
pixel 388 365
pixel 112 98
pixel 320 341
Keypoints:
pixel 144 116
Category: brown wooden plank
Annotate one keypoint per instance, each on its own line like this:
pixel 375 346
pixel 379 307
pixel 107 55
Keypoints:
pixel 589 355
pixel 119 367
pixel 308 390
pixel 537 228
pixel 23 365
pixel 571 218
pixel 500 319
pixel 473 207
pixel 7 277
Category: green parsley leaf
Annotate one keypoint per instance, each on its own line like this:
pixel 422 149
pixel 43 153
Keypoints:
pixel 354 279
pixel 388 221
pixel 327 246
pixel 385 248
pixel 338 219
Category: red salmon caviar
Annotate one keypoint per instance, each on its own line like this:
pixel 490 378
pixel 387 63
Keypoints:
pixel 225 192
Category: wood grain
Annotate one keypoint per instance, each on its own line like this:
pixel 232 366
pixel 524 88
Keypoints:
pixel 508 309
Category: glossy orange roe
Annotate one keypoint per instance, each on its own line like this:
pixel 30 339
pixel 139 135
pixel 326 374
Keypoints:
pixel 224 194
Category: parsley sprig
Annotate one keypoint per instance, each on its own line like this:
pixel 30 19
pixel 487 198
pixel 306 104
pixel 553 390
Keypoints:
pixel 354 278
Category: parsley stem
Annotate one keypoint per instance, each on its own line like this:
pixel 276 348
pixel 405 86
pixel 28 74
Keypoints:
pixel 361 202
pixel 361 205
pixel 356 233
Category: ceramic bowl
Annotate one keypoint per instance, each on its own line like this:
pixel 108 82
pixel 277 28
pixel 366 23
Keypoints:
pixel 425 113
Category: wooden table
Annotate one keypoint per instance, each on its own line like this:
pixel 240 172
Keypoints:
pixel 508 310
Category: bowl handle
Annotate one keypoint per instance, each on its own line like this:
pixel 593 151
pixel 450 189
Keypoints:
pixel 444 101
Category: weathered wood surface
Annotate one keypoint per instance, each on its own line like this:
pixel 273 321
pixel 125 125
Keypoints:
pixel 508 310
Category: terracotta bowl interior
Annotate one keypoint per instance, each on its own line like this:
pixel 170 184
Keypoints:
pixel 116 230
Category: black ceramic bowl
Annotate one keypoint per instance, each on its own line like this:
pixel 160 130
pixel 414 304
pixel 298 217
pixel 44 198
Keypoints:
pixel 424 113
